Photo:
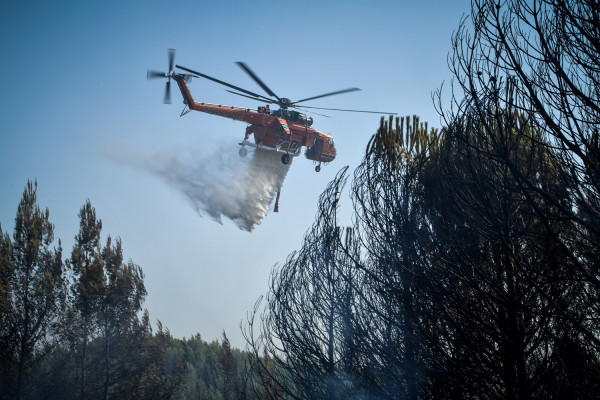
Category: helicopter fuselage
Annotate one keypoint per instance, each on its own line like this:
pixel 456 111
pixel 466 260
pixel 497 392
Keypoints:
pixel 282 130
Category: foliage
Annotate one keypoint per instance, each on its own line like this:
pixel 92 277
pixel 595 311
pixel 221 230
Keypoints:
pixel 77 329
pixel 538 60
pixel 32 291
pixel 471 269
pixel 455 281
pixel 213 371
pixel 73 329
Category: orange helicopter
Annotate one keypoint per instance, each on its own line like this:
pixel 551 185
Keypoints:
pixel 283 130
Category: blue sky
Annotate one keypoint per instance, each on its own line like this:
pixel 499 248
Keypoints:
pixel 74 97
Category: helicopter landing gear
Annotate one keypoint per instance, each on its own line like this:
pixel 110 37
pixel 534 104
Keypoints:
pixel 243 152
pixel 285 158
pixel 318 168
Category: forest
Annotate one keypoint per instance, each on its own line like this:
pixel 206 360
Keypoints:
pixel 470 268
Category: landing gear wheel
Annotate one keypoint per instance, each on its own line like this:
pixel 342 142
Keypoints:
pixel 318 168
pixel 243 152
pixel 285 158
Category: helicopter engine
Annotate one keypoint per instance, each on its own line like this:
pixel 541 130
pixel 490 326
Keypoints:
pixel 294 116
pixel 304 119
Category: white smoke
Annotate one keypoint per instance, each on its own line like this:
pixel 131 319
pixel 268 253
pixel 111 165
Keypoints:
pixel 223 184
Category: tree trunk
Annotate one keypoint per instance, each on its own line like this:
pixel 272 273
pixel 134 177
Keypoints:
pixel 106 362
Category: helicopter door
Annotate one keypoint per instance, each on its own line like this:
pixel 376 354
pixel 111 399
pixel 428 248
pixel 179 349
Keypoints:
pixel 314 152
pixel 317 148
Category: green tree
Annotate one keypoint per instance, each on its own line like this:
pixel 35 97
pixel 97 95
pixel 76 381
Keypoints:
pixel 35 273
pixel 77 332
pixel 87 291
pixel 233 387
pixel 121 333
pixel 163 373
pixel 213 370
pixel 111 344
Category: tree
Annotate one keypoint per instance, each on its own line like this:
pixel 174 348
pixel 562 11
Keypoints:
pixel 540 58
pixel 162 374
pixel 35 273
pixel 304 346
pixel 112 349
pixel 343 313
pixel 393 235
pixel 233 387
pixel 499 270
pixel 450 283
pixel 77 330
pixel 120 330
pixel 474 252
pixel 89 281
pixel 6 345
pixel 268 388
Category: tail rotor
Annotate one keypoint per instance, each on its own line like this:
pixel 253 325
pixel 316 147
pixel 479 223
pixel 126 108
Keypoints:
pixel 151 74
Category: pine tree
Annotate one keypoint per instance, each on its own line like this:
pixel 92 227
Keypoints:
pixel 35 272
pixel 87 289
pixel 541 57
pixel 6 315
pixel 163 372
pixel 105 332
pixel 232 384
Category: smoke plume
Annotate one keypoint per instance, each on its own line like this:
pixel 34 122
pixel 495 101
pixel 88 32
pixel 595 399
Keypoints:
pixel 224 184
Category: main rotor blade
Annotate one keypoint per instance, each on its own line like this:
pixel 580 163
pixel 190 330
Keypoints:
pixel 151 74
pixel 341 109
pixel 253 98
pixel 312 112
pixel 210 78
pixel 171 59
pixel 257 80
pixel 328 94
pixel 167 99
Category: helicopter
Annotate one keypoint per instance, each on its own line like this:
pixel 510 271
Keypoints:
pixel 284 130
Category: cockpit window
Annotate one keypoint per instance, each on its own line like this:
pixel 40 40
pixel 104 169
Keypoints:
pixel 331 142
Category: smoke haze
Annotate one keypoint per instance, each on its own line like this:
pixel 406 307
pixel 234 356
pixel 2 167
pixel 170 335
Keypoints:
pixel 223 184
